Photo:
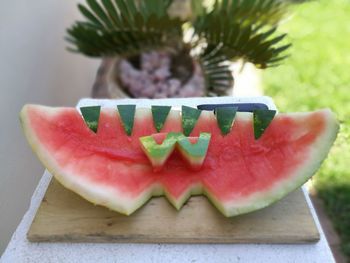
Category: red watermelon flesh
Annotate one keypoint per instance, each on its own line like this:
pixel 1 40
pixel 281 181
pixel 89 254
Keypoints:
pixel 239 175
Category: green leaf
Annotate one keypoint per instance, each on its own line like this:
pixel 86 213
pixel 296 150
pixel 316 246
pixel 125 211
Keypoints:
pixel 91 116
pixel 262 119
pixel 225 117
pixel 90 16
pixel 127 116
pixel 219 78
pixel 197 7
pixel 160 113
pixel 131 6
pixel 124 10
pixel 189 119
pixel 96 7
pixel 112 11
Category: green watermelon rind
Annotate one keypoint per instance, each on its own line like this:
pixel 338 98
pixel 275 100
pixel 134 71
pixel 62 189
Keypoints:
pixel 194 154
pixel 116 201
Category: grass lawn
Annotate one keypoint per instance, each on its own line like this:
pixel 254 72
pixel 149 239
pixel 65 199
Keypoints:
pixel 317 75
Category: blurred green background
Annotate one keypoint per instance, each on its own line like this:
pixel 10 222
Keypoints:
pixel 317 75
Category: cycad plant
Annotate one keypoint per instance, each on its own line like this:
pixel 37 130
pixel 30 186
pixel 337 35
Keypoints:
pixel 179 48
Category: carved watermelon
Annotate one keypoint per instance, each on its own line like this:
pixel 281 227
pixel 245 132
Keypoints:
pixel 240 173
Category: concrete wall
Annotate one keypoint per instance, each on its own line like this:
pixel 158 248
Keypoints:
pixel 34 68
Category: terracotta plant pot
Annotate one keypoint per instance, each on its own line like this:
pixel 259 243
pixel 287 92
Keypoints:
pixel 118 77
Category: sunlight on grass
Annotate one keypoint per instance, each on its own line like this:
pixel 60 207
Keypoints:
pixel 317 75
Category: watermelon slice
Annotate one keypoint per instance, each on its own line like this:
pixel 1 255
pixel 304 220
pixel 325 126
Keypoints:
pixel 239 174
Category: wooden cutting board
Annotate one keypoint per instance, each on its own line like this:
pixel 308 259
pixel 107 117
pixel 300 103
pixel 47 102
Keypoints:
pixel 64 216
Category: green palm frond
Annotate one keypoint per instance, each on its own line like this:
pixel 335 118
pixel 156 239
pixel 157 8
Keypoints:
pixel 239 29
pixel 217 71
pixel 253 42
pixel 197 8
pixel 123 27
pixel 252 11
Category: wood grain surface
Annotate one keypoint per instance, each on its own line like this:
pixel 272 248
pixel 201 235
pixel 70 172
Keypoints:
pixel 64 216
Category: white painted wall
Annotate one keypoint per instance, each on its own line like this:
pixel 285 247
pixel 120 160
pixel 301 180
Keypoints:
pixel 34 68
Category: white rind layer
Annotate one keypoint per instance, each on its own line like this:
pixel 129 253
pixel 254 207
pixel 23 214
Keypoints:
pixel 115 200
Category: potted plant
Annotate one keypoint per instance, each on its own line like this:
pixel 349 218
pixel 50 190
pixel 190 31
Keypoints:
pixel 179 48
